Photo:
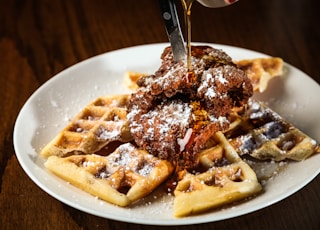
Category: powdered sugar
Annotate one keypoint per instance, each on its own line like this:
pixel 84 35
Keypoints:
pixel 221 120
pixel 209 81
pixel 162 119
pixel 89 164
pixel 130 158
pixel 221 78
pixel 110 131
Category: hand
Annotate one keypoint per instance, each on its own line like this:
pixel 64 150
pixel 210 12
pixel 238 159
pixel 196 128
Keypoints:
pixel 216 3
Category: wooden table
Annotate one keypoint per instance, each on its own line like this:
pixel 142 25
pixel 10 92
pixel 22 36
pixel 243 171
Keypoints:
pixel 40 38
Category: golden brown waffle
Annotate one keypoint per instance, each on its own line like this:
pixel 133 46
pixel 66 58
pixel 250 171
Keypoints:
pixel 227 179
pixel 131 78
pixel 99 123
pixel 126 175
pixel 261 70
pixel 265 135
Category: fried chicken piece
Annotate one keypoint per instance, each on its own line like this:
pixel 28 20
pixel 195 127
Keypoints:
pixel 173 77
pixel 174 112
pixel 224 87
pixel 159 129
pixel 175 130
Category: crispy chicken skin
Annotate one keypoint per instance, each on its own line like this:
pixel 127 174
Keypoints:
pixel 174 111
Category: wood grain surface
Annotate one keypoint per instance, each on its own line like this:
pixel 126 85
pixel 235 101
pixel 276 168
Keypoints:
pixel 40 38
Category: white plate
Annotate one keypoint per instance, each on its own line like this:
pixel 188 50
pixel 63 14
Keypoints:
pixel 49 109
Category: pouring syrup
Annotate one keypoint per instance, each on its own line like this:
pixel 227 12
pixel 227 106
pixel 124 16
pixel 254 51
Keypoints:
pixel 187 12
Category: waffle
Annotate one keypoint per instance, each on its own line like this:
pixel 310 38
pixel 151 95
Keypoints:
pixel 101 122
pixel 125 176
pixel 265 135
pixel 227 179
pixel 131 78
pixel 261 71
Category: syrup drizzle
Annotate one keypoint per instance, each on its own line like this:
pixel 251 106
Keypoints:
pixel 187 13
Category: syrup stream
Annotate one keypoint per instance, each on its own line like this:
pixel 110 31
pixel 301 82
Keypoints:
pixel 187 12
